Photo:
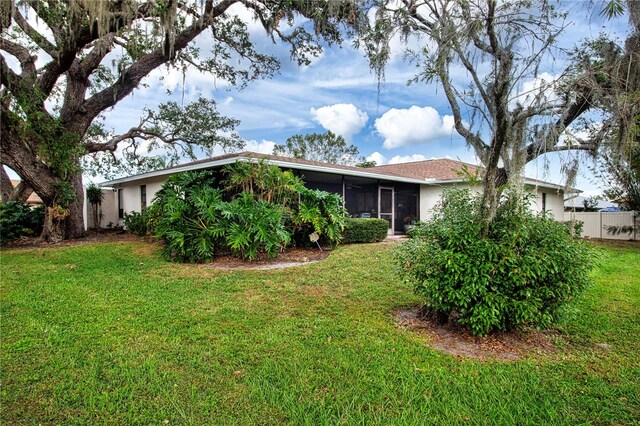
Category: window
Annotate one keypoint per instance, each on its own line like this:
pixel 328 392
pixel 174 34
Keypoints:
pixel 544 202
pixel 120 209
pixel 143 197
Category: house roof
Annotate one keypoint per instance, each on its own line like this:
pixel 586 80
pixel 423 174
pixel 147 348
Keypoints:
pixel 436 171
pixel 285 162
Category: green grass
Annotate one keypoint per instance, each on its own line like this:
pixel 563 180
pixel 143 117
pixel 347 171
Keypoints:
pixel 111 334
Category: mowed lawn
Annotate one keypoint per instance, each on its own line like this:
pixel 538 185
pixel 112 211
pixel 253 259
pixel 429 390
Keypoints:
pixel 112 334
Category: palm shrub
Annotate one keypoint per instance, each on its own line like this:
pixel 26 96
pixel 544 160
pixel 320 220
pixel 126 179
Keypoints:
pixel 95 197
pixel 520 273
pixel 266 182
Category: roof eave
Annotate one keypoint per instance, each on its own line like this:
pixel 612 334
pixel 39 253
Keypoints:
pixel 284 164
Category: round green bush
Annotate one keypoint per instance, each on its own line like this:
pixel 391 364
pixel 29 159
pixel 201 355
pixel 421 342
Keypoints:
pixel 520 273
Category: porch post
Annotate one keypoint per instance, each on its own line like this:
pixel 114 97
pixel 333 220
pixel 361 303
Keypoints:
pixel 344 193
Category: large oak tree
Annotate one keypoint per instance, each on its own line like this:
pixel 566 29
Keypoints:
pixel 64 63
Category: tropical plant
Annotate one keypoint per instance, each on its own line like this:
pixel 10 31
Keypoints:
pixel 520 273
pixel 318 212
pixel 253 227
pixel 95 198
pixel 267 182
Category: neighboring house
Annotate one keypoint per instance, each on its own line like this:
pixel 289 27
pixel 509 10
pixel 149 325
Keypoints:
pixel 33 200
pixel 397 193
pixel 576 204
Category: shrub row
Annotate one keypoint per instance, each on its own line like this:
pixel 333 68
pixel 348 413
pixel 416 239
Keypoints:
pixel 364 230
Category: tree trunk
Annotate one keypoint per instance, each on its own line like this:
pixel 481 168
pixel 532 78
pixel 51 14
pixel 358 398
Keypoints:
pixel 18 153
pixel 6 187
pixel 62 224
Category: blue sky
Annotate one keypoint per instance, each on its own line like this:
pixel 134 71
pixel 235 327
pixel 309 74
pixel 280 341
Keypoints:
pixel 338 92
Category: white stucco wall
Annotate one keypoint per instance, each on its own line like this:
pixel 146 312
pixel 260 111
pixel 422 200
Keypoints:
pixel 554 202
pixel 131 194
pixel 108 207
pixel 430 195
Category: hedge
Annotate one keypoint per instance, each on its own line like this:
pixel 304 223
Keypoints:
pixel 365 230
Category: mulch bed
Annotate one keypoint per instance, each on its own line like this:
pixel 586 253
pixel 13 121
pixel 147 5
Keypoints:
pixel 290 257
pixel 456 341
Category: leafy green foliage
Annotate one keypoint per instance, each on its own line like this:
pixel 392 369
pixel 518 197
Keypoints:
pixel 266 182
pixel 326 147
pixel 575 227
pixel 520 274
pixel 196 222
pixel 192 227
pixel 18 219
pixel 364 230
pixel 95 198
pixel 320 212
pixel 137 223
pixel 252 227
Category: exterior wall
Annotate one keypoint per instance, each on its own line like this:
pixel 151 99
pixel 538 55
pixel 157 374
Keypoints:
pixel 430 195
pixel 108 207
pixel 131 195
pixel 554 202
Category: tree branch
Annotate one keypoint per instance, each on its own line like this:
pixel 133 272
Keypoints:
pixel 35 36
pixel 22 54
pixel 132 76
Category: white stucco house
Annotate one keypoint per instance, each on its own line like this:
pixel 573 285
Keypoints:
pixel 398 193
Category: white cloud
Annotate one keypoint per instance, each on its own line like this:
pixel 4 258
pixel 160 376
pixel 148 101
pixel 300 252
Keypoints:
pixel 227 100
pixel 378 158
pixel 416 125
pixel 342 119
pixel 407 158
pixel 263 147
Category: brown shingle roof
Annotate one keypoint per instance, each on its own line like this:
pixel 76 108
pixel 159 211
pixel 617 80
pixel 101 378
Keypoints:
pixel 439 169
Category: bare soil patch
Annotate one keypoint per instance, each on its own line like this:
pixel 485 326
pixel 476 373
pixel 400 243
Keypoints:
pixel 456 341
pixel 290 257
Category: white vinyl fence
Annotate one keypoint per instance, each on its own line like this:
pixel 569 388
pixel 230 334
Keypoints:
pixel 598 224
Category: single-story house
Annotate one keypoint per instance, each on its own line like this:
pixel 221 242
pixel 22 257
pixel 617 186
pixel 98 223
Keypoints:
pixel 398 193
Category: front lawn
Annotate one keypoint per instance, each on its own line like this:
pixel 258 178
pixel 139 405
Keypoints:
pixel 111 334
